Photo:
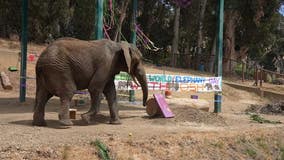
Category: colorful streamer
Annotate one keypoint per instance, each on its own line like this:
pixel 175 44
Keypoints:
pixel 146 42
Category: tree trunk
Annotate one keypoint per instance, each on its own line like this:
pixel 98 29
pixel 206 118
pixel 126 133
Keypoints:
pixel 212 56
pixel 202 7
pixel 117 36
pixel 176 37
pixel 187 55
pixel 230 55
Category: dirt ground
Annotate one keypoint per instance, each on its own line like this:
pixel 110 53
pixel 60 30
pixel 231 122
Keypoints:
pixel 192 134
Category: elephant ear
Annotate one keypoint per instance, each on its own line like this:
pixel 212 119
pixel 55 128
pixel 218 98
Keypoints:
pixel 125 47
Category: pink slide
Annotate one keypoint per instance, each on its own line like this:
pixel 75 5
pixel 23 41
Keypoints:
pixel 163 106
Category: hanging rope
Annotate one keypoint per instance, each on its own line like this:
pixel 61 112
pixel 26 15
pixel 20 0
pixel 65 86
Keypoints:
pixel 145 41
pixel 111 20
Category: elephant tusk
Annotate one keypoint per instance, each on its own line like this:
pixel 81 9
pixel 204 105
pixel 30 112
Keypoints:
pixel 135 81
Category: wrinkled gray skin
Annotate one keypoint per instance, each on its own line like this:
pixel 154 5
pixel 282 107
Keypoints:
pixel 70 64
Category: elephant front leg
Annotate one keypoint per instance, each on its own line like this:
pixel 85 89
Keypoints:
pixel 110 94
pixel 95 107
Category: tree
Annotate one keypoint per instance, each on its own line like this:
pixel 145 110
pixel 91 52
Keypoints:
pixel 122 12
pixel 249 28
pixel 83 20
pixel 45 17
pixel 176 37
pixel 202 6
pixel 10 17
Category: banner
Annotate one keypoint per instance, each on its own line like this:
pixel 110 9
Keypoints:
pixel 171 82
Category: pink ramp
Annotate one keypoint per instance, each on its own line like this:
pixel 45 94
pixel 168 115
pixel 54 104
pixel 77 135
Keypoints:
pixel 163 106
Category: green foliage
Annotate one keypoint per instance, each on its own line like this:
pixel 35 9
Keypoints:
pixel 218 144
pixel 252 153
pixel 84 19
pixel 260 119
pixel 282 152
pixel 46 18
pixel 249 72
pixel 76 18
pixel 10 17
pixel 259 35
pixel 156 21
pixel 102 148
pixel 261 143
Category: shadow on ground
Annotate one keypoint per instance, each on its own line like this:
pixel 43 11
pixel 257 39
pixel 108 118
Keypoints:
pixel 98 119
pixel 12 105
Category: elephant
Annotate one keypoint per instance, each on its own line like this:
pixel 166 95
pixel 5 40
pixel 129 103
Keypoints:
pixel 70 64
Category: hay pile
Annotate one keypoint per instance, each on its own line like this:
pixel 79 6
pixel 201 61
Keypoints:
pixel 188 114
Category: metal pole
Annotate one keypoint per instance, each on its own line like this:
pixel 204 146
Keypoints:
pixel 99 19
pixel 23 51
pixel 219 51
pixel 133 41
pixel 133 25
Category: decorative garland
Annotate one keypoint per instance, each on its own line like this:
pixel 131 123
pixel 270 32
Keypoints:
pixel 110 21
pixel 144 40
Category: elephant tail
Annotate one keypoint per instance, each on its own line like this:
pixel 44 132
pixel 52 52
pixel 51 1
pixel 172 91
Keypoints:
pixel 38 84
pixel 39 76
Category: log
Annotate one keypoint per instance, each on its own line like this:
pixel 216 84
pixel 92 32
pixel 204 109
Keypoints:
pixel 5 81
pixel 152 108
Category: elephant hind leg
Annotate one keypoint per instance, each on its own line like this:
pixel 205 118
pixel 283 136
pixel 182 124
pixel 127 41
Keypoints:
pixel 64 116
pixel 42 96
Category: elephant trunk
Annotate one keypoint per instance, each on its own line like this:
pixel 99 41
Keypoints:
pixel 141 77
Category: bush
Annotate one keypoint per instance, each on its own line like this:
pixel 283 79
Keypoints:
pixel 249 73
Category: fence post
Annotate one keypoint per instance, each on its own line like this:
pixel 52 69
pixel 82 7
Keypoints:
pixel 243 72
pixel 260 83
pixel 230 66
pixel 256 75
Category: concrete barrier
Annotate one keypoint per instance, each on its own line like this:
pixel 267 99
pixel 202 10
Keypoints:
pixel 271 95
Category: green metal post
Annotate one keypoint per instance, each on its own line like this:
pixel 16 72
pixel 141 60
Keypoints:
pixel 133 41
pixel 219 51
pixel 24 39
pixel 133 25
pixel 99 19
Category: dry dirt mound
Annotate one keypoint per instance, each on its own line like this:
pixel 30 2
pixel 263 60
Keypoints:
pixel 185 114
pixel 274 108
